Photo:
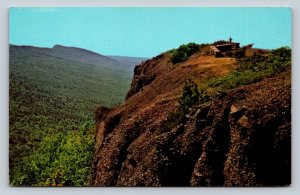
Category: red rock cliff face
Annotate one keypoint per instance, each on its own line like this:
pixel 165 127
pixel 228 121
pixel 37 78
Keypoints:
pixel 240 139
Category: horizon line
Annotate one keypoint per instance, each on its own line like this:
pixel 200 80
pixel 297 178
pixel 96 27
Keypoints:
pixel 117 55
pixel 67 46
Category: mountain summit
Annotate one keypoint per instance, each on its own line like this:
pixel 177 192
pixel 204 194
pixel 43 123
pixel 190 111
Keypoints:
pixel 192 119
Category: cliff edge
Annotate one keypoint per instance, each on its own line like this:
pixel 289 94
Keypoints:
pixel 240 137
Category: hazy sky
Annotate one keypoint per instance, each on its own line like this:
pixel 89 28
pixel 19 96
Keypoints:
pixel 146 32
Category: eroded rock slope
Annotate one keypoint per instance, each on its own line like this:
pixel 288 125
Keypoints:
pixel 242 138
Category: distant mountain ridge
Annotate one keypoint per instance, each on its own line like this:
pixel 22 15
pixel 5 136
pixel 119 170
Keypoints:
pixel 86 56
pixel 131 61
pixel 102 72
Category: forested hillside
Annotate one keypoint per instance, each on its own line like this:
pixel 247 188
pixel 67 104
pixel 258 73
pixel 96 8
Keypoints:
pixel 53 94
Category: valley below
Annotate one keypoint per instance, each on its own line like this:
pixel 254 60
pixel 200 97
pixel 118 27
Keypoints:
pixel 53 96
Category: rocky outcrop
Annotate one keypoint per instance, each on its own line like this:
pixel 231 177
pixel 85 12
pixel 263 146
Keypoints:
pixel 242 138
pixel 144 74
pixel 140 79
pixel 249 140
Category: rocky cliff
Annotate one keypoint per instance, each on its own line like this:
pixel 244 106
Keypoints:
pixel 240 138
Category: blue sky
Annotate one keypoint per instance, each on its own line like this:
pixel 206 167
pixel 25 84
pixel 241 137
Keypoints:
pixel 146 32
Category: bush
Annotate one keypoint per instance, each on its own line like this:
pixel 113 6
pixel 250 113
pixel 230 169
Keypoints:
pixel 282 54
pixel 183 52
pixel 179 56
pixel 190 96
pixel 276 61
pixel 253 63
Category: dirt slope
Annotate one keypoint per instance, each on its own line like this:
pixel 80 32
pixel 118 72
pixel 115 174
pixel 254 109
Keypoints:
pixel 236 140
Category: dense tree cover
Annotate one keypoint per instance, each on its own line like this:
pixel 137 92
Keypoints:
pixel 52 101
pixel 59 159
